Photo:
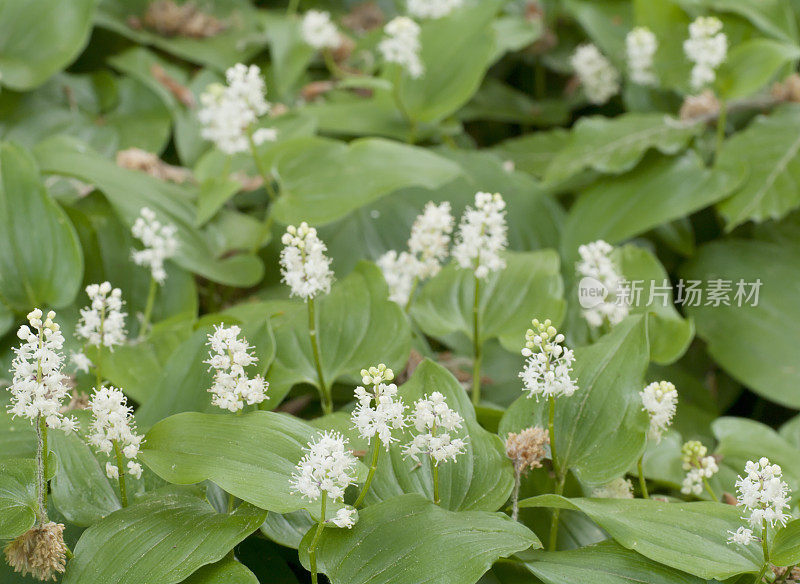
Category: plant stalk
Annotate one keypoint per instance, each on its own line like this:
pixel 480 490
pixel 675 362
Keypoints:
pixel 477 349
pixel 41 469
pixel 312 548
pixel 325 394
pixel 642 482
pixel 560 478
pixel 123 491
pixel 148 309
pixel 515 492
pixel 709 490
pixel 721 122
pixel 435 474
pixel 376 451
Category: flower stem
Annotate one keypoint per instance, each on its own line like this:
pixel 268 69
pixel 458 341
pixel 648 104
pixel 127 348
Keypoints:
pixel 312 548
pixel 148 309
pixel 786 574
pixel 123 491
pixel 560 478
pixel 265 175
pixel 293 6
pixel 435 473
pixel 710 490
pixel 324 392
pixel 376 451
pixel 414 285
pixel 515 492
pixel 398 99
pixel 721 122
pixel 554 519
pixel 476 346
pixel 41 469
pixel 231 502
pixel 642 482
pixel 331 64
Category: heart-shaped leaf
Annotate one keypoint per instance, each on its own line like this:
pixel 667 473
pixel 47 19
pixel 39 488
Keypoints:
pixel 17 496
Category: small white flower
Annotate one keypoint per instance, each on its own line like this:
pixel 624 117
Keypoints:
pixel 388 412
pixel 399 271
pixel 113 424
pixel 764 494
pixel 482 235
pixel 641 45
pixel 37 387
pixel 327 466
pixel 548 365
pixel 402 45
pixel 80 361
pixel 229 356
pixel 596 263
pixel 434 422
pixel 706 47
pixel 345 517
pixel 304 265
pixel 319 31
pixel 620 488
pixel 230 112
pixel 159 240
pixel 432 8
pixel 102 322
pixel 598 77
pixel 742 536
pixel 660 401
pixel 699 467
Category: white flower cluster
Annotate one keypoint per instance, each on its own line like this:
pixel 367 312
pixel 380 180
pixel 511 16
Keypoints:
pixel 434 421
pixel 229 112
pixel 698 465
pixel 660 401
pixel 428 247
pixel 620 488
pixel 402 45
pixel 765 495
pixel 596 263
pixel 228 357
pixel 319 31
pixel 641 46
pixel 37 387
pixel 432 8
pixel 112 422
pixel 598 77
pixel 80 361
pixel 706 47
pixel 160 243
pixel 304 266
pixel 548 365
pixel 102 322
pixel 388 411
pixel 329 467
pixel 482 235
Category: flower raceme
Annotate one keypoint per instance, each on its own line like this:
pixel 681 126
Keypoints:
pixel 706 47
pixel 386 415
pixel 228 357
pixel 319 31
pixel 660 401
pixel 641 46
pixel 159 240
pixel 113 427
pixel 102 322
pixel 548 365
pixel 402 45
pixel 698 465
pixel 304 266
pixel 596 262
pixel 598 77
pixel 434 422
pixel 482 235
pixel 765 495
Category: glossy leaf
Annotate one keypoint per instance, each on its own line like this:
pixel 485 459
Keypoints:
pixel 752 65
pixel 786 545
pixel 228 571
pixel 17 496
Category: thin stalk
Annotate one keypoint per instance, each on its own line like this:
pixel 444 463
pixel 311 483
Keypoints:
pixel 710 490
pixel 414 285
pixel 551 424
pixel 642 482
pixel 148 309
pixel 41 469
pixel 324 392
pixel 231 502
pixel 98 377
pixel 293 6
pixel 515 492
pixel 476 346
pixel 376 451
pixel 721 122
pixel 331 64
pixel 435 473
pixel 123 491
pixel 786 574
pixel 398 99
pixel 312 548
pixel 266 176
pixel 560 478
pixel 68 552
pixel 554 519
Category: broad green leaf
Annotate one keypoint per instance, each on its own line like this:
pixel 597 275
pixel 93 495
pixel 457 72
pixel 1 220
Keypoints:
pixel 40 37
pixel 48 273
pixel 323 180
pixel 729 329
pixel 603 563
pixel 287 529
pixel 481 479
pixel 616 145
pixel 500 102
pixel 606 22
pixel 17 496
pixel 751 65
pixel 774 17
pixel 251 456
pixel 227 571
pixel 786 545
pixel 356 116
pixel 686 536
pixel 128 191
pixel 17 436
pixel 600 430
pixel 357 324
pixel 790 431
pixel 532 153
pixel 175 534
pixel 290 55
pixel 513 33
pixel 670 24
pixel 770 149
pixel 529 287
pixel 428 544
pixel 80 490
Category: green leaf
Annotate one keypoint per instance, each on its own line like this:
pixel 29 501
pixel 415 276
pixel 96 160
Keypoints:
pixel 323 180
pixel 17 436
pixel 466 544
pixel 529 287
pixel 670 24
pixel 751 65
pixel 228 571
pixel 729 330
pixel 533 153
pixel 770 150
pixel 497 101
pixel 48 273
pixel 603 563
pixel 357 325
pixel 290 55
pixel 80 490
pixel 786 545
pixel 40 37
pixel 17 497
pixel 774 17
pixel 606 22
pixel 287 529
pixel 616 145
pixel 160 540
pixel 600 430
pixel 686 536
pixel 481 479
pixel 128 191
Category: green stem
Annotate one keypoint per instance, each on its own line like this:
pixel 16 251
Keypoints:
pixel 148 309
pixel 312 548
pixel 560 478
pixel 333 67
pixel 231 502
pixel 376 451
pixel 411 294
pixel 515 492
pixel 265 174
pixel 476 346
pixel 435 473
pixel 786 574
pixel 68 552
pixel 710 490
pixel 325 394
pixel 98 377
pixel 554 519
pixel 293 6
pixel 123 491
pixel 721 122
pixel 551 423
pixel 642 482
pixel 398 99
pixel 41 469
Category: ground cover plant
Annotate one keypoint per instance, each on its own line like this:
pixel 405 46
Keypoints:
pixel 399 292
